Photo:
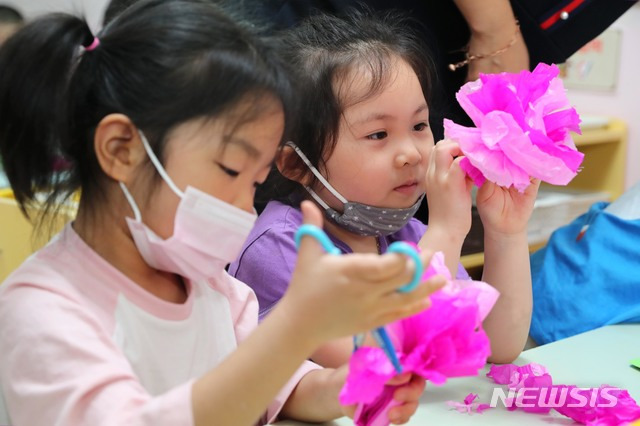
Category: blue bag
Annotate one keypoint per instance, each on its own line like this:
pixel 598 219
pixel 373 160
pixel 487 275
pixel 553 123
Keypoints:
pixel 587 276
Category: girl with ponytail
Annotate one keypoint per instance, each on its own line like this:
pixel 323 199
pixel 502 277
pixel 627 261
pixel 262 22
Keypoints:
pixel 165 122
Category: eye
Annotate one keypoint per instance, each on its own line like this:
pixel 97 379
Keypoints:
pixel 377 136
pixel 420 127
pixel 228 171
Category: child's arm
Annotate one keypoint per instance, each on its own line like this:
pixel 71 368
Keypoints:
pixel 504 214
pixel 449 198
pixel 315 399
pixel 329 296
pixel 57 356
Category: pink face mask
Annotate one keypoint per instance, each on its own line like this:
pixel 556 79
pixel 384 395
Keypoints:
pixel 208 233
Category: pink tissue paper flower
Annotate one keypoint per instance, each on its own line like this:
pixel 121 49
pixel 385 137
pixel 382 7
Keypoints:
pixel 603 406
pixel 445 340
pixel 522 129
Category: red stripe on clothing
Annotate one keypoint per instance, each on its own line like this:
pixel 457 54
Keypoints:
pixel 556 16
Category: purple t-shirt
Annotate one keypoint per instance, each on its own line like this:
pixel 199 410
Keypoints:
pixel 269 255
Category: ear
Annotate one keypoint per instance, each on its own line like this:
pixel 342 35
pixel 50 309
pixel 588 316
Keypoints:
pixel 288 165
pixel 118 147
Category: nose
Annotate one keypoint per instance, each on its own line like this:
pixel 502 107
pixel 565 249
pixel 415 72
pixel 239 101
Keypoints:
pixel 408 153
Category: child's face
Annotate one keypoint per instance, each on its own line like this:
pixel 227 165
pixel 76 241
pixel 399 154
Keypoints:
pixel 383 145
pixel 196 156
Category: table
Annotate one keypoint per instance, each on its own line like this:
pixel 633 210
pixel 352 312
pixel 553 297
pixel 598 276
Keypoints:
pixel 589 359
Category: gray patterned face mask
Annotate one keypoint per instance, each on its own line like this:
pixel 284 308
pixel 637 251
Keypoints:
pixel 360 218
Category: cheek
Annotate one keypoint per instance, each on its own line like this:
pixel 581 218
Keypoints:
pixel 160 211
pixel 426 150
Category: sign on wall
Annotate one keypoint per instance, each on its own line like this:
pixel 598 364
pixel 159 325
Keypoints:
pixel 595 66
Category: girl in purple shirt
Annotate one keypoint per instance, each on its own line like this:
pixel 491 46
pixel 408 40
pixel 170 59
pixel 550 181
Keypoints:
pixel 363 151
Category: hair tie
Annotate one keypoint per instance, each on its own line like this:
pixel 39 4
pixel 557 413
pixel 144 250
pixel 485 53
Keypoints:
pixel 95 43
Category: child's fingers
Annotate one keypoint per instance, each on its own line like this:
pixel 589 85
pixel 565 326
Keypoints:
pixel 376 268
pixel 401 305
pixel 310 249
pixel 401 414
pixel 444 155
pixel 311 214
pixel 400 379
pixel 410 391
pixel 408 397
pixel 349 410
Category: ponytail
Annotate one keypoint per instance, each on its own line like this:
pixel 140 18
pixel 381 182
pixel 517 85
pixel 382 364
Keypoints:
pixel 35 68
pixel 160 62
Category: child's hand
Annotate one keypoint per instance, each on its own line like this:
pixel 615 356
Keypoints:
pixel 449 198
pixel 334 296
pixel 448 191
pixel 505 211
pixel 410 388
pixel 407 395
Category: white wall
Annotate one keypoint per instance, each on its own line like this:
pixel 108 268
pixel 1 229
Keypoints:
pixel 92 10
pixel 624 101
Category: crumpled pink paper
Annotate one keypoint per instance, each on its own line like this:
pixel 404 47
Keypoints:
pixel 522 129
pixel 445 340
pixel 623 410
pixel 469 405
pixel 532 376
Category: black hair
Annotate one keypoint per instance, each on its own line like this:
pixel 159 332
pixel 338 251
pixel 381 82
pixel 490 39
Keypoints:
pixel 9 15
pixel 323 51
pixel 115 8
pixel 161 63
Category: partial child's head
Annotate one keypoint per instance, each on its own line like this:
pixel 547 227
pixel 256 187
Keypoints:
pixel 10 21
pixel 115 8
pixel 208 95
pixel 364 84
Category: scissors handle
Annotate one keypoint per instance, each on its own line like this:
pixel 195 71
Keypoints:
pixel 408 250
pixel 319 235
pixel 380 334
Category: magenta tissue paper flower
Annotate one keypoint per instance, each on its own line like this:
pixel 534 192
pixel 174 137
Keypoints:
pixel 522 129
pixel 445 340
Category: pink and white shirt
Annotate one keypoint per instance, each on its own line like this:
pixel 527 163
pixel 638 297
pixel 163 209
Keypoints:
pixel 82 344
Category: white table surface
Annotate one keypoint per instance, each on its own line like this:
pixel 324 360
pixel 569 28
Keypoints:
pixel 589 359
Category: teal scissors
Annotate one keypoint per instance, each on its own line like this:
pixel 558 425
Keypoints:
pixel 379 334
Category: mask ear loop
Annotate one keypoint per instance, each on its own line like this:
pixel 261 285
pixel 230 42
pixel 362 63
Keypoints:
pixel 317 174
pixel 161 171
pixel 132 203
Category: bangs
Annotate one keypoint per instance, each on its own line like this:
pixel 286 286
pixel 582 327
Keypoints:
pixel 367 74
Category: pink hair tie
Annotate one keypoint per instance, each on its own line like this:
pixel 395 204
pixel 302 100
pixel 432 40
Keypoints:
pixel 95 43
